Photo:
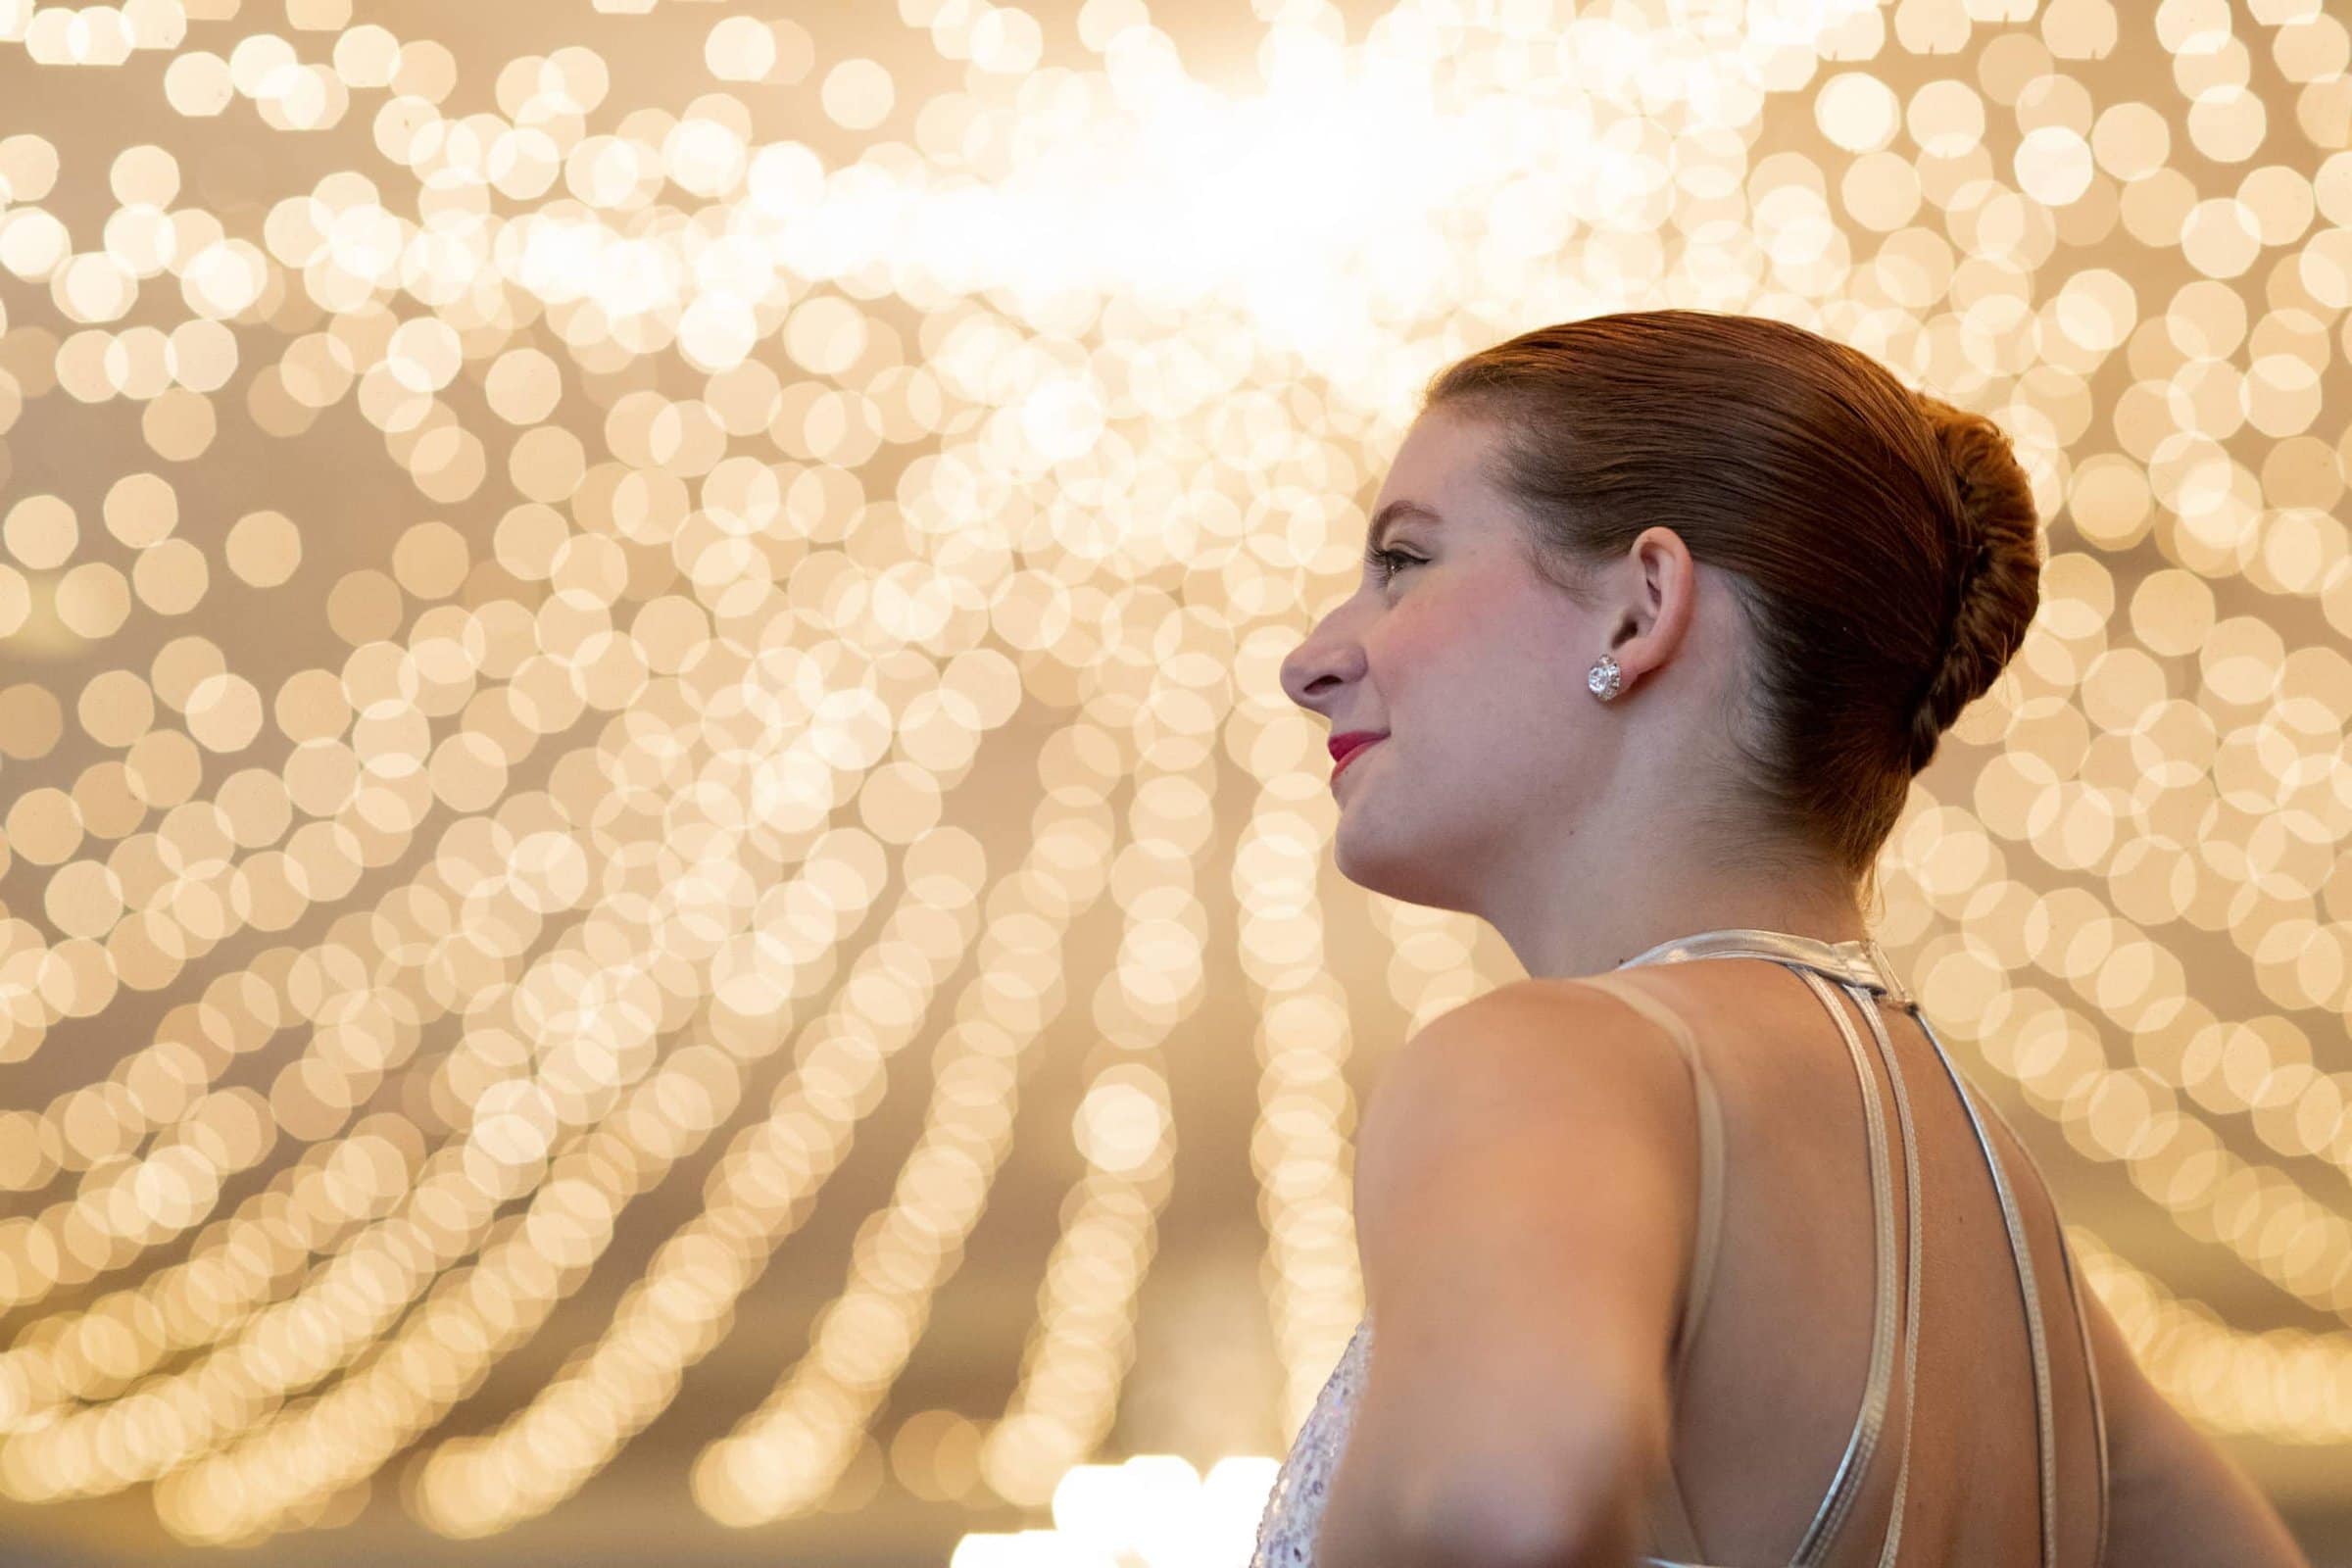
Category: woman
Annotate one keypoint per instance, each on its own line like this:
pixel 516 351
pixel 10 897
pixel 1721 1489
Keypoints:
pixel 1713 1261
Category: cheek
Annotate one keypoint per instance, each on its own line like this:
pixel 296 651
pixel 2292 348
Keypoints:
pixel 1461 640
pixel 1466 667
pixel 1429 630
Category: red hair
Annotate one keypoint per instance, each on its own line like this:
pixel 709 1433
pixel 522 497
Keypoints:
pixel 1881 543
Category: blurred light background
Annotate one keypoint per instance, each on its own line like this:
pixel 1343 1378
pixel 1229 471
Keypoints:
pixel 657 901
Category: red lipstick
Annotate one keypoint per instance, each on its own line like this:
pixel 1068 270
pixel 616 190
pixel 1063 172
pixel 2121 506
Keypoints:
pixel 1345 747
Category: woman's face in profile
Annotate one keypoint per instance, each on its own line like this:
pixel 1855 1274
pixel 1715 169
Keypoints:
pixel 1469 664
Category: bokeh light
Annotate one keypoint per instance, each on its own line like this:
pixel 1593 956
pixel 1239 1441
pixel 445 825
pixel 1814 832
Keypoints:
pixel 575 582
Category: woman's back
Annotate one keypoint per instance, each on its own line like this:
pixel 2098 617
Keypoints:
pixel 1817 1421
pixel 1808 1399
pixel 1777 1370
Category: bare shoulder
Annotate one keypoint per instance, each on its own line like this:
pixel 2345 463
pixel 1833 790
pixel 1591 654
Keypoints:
pixel 1551 1069
pixel 1525 1199
pixel 1527 1041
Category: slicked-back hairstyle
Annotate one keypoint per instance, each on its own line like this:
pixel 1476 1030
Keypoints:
pixel 1883 544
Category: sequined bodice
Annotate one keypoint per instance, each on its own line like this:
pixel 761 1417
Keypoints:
pixel 1286 1535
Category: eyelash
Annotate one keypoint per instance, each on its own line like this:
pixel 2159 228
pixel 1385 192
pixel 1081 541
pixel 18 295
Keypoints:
pixel 1390 562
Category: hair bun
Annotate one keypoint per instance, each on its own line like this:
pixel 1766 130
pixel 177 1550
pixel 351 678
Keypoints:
pixel 1995 568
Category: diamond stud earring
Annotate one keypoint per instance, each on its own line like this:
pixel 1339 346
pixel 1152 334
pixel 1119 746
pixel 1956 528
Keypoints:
pixel 1604 680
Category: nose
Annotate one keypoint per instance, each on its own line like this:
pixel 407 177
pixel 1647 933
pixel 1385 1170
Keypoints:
pixel 1318 669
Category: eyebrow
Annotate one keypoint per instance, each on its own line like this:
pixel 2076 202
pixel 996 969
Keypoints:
pixel 1391 513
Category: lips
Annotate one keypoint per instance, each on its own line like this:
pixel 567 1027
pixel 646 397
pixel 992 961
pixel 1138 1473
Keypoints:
pixel 1345 747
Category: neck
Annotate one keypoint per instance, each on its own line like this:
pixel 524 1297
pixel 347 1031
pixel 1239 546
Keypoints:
pixel 1649 855
pixel 1658 902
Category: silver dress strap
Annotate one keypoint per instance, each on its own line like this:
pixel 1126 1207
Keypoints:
pixel 1860 967
pixel 2045 1426
pixel 1863 964
pixel 1902 1107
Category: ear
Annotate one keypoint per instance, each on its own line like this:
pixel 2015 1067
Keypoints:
pixel 1661 587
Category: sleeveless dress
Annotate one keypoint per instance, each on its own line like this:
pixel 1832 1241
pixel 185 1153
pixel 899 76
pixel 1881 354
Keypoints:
pixel 1294 1512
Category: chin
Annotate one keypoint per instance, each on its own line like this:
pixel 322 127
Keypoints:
pixel 1409 874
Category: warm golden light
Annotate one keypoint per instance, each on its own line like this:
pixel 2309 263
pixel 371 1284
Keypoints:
pixel 526 590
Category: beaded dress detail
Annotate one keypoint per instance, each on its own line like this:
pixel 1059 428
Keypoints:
pixel 1286 1532
pixel 1294 1512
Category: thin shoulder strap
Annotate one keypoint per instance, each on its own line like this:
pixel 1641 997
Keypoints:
pixel 1710 1155
pixel 1870 1421
pixel 2074 1296
pixel 2021 1250
pixel 1869 1004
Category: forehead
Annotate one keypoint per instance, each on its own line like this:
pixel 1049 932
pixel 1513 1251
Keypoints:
pixel 1441 464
